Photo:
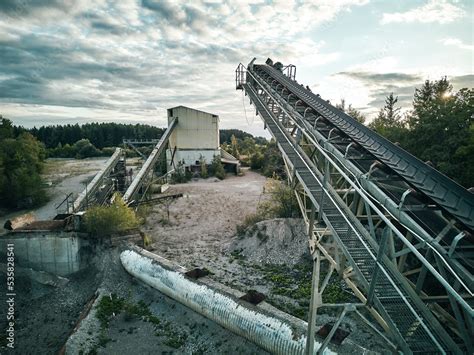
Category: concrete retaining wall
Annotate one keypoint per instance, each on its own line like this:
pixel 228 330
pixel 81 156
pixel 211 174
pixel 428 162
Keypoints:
pixel 56 252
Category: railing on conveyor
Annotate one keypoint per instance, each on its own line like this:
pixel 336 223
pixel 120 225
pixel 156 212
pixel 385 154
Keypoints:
pixel 403 227
pixel 149 164
pixel 91 192
pixel 444 191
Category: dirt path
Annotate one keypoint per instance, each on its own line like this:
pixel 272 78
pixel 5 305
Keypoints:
pixel 63 177
pixel 203 222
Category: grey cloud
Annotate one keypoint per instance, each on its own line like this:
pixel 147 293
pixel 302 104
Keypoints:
pixel 405 90
pixel 26 91
pixel 26 6
pixel 106 27
pixel 463 81
pixel 37 62
pixel 161 7
pixel 377 78
pixel 172 14
pixel 34 9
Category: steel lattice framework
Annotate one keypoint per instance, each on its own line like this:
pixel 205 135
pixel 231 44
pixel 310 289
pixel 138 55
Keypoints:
pixel 145 175
pixel 102 186
pixel 396 230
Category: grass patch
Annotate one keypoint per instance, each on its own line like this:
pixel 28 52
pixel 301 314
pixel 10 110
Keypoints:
pixel 249 221
pixel 294 282
pixel 110 305
pixel 236 255
pixel 175 340
pixel 107 307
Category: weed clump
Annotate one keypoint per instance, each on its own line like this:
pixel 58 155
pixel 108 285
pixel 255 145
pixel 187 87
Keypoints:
pixel 101 221
pixel 114 305
pixel 281 204
pixel 295 282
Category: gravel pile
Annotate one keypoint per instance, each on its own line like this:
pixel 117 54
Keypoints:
pixel 275 241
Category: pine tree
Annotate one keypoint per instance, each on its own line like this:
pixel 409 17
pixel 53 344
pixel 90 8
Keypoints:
pixel 6 128
pixel 389 122
pixel 356 114
pixel 392 113
pixel 441 129
pixel 351 111
pixel 388 118
pixel 422 101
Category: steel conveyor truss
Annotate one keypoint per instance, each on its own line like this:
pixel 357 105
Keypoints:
pixel 398 231
pixel 102 186
pixel 145 175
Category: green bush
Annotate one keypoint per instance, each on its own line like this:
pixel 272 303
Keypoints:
pixel 204 172
pixel 101 221
pixel 250 220
pixel 217 169
pixel 85 149
pixel 284 201
pixel 181 175
pixel 281 204
pixel 256 161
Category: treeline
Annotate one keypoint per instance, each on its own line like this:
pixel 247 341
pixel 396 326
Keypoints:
pixel 225 136
pixel 99 139
pixel 21 163
pixel 439 129
pixel 100 135
pixel 88 140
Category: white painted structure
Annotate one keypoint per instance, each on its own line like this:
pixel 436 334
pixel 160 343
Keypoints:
pixel 196 135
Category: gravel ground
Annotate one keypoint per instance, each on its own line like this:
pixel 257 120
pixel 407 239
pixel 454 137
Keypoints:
pixel 180 330
pixel 201 232
pixel 272 257
pixel 203 222
pixel 46 316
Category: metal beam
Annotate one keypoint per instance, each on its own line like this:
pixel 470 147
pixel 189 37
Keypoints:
pixel 149 163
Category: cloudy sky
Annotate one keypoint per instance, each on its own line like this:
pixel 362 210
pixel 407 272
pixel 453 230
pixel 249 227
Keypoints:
pixel 67 61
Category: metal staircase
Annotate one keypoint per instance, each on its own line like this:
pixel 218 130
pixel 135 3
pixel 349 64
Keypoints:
pixel 403 229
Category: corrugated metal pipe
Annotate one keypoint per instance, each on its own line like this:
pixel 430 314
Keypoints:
pixel 274 334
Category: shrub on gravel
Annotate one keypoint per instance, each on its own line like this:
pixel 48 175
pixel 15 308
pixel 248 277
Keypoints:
pixel 101 221
pixel 281 204
pixel 216 168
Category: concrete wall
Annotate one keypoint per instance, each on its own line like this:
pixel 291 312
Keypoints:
pixel 195 129
pixel 196 135
pixel 190 157
pixel 56 252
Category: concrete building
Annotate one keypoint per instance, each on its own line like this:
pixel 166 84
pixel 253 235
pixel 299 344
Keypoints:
pixel 195 137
